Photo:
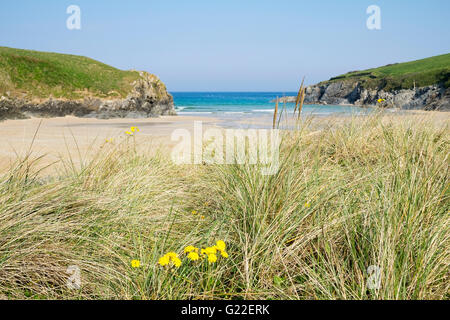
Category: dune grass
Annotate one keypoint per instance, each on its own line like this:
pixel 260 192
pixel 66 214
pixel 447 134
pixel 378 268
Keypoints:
pixel 368 191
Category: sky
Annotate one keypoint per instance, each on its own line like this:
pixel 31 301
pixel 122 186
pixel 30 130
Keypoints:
pixel 232 45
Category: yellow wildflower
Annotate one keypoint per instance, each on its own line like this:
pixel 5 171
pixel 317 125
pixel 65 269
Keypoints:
pixel 190 249
pixel 224 254
pixel 220 245
pixel 176 262
pixel 307 205
pixel 129 133
pixel 211 250
pixel 203 217
pixel 135 263
pixel 172 255
pixel 194 212
pixel 134 129
pixel 164 261
pixel 212 258
pixel 193 256
pixel 203 253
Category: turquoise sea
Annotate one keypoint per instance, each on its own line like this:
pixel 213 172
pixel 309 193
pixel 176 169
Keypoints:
pixel 247 103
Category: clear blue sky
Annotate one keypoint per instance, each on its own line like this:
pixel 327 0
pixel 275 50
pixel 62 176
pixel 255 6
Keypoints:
pixel 232 45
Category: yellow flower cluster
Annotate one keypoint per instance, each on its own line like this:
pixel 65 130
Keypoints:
pixel 132 131
pixel 192 253
pixel 212 252
pixel 170 258
pixel 195 254
pixel 381 100
pixel 135 263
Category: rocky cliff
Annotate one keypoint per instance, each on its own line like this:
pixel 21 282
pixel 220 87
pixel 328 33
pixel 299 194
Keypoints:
pixel 147 98
pixel 420 84
pixel 47 84
pixel 434 97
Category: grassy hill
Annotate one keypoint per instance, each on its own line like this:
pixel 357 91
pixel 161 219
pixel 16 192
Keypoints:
pixel 42 74
pixel 419 73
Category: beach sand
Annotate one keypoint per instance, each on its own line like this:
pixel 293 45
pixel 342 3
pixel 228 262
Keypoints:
pixel 78 139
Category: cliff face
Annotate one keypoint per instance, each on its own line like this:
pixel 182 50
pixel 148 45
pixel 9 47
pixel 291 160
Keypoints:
pixel 434 97
pixel 420 84
pixel 148 98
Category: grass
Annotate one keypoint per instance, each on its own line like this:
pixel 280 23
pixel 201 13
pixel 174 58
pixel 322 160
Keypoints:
pixel 43 74
pixel 370 191
pixel 419 73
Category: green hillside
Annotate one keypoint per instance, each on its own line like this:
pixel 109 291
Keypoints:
pixel 425 72
pixel 44 74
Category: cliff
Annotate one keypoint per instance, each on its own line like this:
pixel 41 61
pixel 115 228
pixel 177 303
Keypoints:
pixel 434 97
pixel 422 84
pixel 46 84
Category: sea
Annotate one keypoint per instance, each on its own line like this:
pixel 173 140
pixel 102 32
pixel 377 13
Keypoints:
pixel 244 104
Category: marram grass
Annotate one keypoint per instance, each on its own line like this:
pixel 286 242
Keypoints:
pixel 362 192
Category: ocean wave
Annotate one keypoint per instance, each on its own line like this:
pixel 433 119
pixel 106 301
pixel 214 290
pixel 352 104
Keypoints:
pixel 196 112
pixel 264 110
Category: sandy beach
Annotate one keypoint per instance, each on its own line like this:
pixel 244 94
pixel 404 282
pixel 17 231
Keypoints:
pixel 78 138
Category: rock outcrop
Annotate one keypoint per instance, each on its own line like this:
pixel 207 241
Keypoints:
pixel 148 98
pixel 435 97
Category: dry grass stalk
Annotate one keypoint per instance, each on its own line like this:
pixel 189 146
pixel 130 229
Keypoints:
pixel 299 95
pixel 302 99
pixel 275 114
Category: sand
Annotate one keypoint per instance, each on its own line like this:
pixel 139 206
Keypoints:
pixel 80 138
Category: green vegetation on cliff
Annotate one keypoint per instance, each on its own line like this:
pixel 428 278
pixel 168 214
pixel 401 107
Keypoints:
pixel 34 74
pixel 419 73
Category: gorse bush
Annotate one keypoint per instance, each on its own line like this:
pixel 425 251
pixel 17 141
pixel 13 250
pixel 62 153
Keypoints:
pixel 350 197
